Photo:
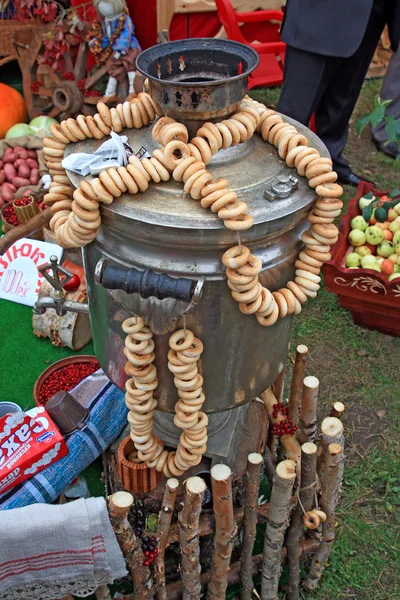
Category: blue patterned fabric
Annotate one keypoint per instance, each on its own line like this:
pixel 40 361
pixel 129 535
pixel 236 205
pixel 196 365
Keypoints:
pixel 107 419
pixel 126 39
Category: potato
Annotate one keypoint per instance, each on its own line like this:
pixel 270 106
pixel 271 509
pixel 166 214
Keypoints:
pixel 9 172
pixel 34 176
pixel 9 158
pixel 2 202
pixel 21 153
pixel 1 164
pixel 32 154
pixel 24 171
pixel 32 164
pixel 20 182
pixel 8 150
pixel 7 192
pixel 2 177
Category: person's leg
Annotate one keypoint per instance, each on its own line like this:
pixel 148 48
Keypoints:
pixel 333 112
pixel 390 90
pixel 303 84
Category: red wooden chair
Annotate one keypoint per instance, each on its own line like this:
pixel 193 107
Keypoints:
pixel 261 26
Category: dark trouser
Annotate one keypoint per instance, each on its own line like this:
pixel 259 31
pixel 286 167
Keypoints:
pixel 329 86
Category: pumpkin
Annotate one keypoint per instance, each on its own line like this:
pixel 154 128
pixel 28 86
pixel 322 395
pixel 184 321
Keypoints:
pixel 12 108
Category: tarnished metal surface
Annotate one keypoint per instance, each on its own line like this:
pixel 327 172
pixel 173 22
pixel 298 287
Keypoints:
pixel 165 230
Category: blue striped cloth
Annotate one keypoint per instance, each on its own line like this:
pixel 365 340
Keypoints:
pixel 107 419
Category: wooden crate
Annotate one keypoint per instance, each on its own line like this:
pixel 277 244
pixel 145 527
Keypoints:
pixel 8 30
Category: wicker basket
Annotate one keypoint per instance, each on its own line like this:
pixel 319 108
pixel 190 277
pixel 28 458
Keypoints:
pixel 8 30
pixel 136 477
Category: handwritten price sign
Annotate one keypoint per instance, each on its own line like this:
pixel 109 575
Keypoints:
pixel 19 276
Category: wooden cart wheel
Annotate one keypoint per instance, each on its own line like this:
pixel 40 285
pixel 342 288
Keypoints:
pixel 47 91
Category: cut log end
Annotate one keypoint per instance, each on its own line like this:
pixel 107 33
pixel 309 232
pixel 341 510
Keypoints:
pixel 122 499
pixel 334 449
pixel 337 410
pixel 254 458
pixel 302 349
pixel 286 469
pixel 172 484
pixel 331 427
pixel 311 382
pixel 221 472
pixel 195 485
pixel 309 448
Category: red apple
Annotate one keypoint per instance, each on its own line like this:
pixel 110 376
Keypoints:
pixel 371 247
pixel 387 267
pixel 388 234
pixel 392 215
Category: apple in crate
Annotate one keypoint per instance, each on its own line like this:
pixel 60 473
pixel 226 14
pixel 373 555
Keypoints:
pixel 374 235
pixel 363 251
pixel 357 237
pixel 385 249
pixel 359 223
pixel 353 260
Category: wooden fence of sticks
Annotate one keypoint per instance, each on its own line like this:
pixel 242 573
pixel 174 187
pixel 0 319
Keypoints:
pixel 305 477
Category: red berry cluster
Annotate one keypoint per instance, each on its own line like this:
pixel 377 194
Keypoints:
pixel 35 85
pixel 65 379
pixel 81 84
pixel 68 76
pixel 92 93
pixel 285 426
pixel 150 550
pixel 10 216
pixel 23 201
pixel 39 12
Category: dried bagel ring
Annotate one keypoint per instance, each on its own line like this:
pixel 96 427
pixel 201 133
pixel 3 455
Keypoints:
pixel 203 148
pixel 101 125
pixel 181 340
pixel 235 134
pixel 294 152
pixel 329 177
pixel 235 257
pixel 210 199
pixel 141 181
pixel 115 120
pixel 132 325
pixel 182 166
pixel 270 319
pixel 210 138
pixel 198 185
pixel 241 223
pixel 290 299
pixel 215 132
pixel 329 190
pixel 58 134
pixel 128 180
pixel 175 152
pixel 94 130
pixel 109 184
pixel 104 112
pixel 117 179
pixel 281 304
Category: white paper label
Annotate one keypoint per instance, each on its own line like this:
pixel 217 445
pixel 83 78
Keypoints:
pixel 19 276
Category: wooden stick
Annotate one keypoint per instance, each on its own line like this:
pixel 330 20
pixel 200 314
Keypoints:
pixel 299 370
pixel 308 421
pixel 24 230
pixel 118 508
pixel 275 530
pixel 174 590
pixel 330 492
pixel 225 530
pixel 278 385
pixel 337 410
pixel 254 462
pixel 103 593
pixel 331 433
pixel 306 500
pixel 189 529
pixel 289 442
pixel 167 509
pixel 207 522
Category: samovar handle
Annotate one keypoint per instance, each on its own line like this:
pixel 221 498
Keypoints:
pixel 147 283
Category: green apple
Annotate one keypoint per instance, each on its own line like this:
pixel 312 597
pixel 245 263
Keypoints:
pixel 385 249
pixel 392 215
pixel 397 208
pixel 393 258
pixel 357 237
pixel 374 235
pixel 375 267
pixel 363 202
pixel 367 261
pixel 394 276
pixel 359 223
pixel 363 250
pixel 379 260
pixel 394 226
pixel 396 238
pixel 397 248
pixel 396 269
pixel 353 260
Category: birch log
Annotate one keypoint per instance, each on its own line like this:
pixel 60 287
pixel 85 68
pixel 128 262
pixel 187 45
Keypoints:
pixel 337 410
pixel 297 382
pixel 275 530
pixel 164 522
pixel 72 330
pixel 225 531
pixel 331 433
pixel 254 462
pixel 188 520
pixel 331 485
pixel 289 442
pixel 308 418
pixel 306 500
pixel 119 505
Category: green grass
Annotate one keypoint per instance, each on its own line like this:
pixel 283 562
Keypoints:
pixel 361 368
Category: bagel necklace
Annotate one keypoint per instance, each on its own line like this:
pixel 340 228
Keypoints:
pixel 183 362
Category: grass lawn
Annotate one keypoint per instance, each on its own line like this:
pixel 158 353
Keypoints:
pixel 358 367
pixel 361 369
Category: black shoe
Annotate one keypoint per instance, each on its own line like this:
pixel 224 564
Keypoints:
pixel 353 179
pixel 391 149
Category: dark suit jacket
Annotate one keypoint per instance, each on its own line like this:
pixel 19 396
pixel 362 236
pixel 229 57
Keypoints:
pixel 333 27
